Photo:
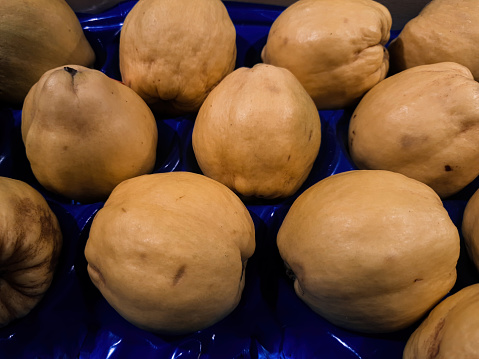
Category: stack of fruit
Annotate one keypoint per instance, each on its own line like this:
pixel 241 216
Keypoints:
pixel 174 134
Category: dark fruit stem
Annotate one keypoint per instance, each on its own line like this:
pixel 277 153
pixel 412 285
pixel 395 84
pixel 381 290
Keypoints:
pixel 71 71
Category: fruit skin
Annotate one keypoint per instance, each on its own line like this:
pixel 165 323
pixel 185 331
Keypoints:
pixel 258 132
pixel 444 31
pixel 470 228
pixel 84 133
pixel 36 36
pixel 168 251
pixel 450 331
pixel 372 251
pixel 174 52
pixel 336 48
pixel 30 246
pixel 422 122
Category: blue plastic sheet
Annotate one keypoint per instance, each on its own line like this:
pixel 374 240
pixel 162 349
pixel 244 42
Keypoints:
pixel 74 321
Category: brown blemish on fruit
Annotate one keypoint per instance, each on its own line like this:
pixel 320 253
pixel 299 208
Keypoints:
pixel 179 274
pixel 435 342
pixel 28 214
pixel 466 125
pixel 273 88
pixel 447 168
pixel 408 141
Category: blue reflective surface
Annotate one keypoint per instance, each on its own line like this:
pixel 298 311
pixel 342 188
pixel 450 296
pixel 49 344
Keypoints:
pixel 74 321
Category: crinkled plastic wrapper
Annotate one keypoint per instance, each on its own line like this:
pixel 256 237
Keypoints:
pixel 74 321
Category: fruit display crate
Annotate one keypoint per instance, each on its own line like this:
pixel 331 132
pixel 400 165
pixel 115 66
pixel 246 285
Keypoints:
pixel 73 320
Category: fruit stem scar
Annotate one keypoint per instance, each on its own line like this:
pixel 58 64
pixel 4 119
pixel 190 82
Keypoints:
pixel 70 70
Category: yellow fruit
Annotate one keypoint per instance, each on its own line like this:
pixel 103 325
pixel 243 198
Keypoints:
pixel 372 251
pixel 30 242
pixel 470 228
pixel 334 47
pixel 422 122
pixel 84 133
pixel 168 251
pixel 36 36
pixel 258 132
pixel 450 331
pixel 173 52
pixel 444 31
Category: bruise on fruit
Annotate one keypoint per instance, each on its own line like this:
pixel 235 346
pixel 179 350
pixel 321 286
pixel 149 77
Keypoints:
pixel 26 214
pixel 435 342
pixel 467 125
pixel 447 168
pixel 273 88
pixel 179 274
pixel 351 138
pixel 408 141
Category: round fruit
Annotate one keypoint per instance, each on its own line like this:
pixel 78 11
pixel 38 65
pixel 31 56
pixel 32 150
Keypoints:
pixel 168 251
pixel 451 330
pixel 422 122
pixel 470 228
pixel 258 132
pixel 174 52
pixel 30 242
pixel 444 31
pixel 372 251
pixel 36 36
pixel 84 133
pixel 335 48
